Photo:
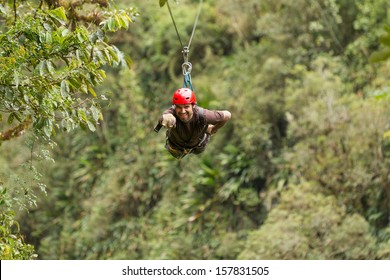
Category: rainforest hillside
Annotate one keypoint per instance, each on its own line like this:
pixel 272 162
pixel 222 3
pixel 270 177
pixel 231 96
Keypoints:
pixel 301 171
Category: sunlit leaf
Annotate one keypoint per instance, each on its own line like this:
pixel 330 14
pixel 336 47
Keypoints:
pixel 59 14
pixel 64 89
pixel 16 78
pixel 48 127
pixel 111 54
pixel 128 60
pixel 124 21
pixel 75 83
pixel 95 112
pixel 92 91
pixel 50 66
pixel 91 126
pixel 42 67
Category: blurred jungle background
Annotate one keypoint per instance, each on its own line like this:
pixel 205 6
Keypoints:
pixel 302 170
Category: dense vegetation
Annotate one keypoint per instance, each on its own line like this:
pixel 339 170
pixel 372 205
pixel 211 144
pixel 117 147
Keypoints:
pixel 302 171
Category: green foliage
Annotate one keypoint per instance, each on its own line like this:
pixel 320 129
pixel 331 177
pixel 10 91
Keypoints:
pixel 310 225
pixel 49 71
pixel 51 64
pixel 336 153
pixel 12 244
pixel 300 172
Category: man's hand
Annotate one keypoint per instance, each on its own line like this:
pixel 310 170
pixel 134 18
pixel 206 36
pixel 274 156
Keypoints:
pixel 168 120
pixel 210 129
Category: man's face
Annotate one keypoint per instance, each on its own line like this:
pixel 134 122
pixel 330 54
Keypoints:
pixel 184 112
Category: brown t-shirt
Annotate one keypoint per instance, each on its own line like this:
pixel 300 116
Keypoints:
pixel 188 135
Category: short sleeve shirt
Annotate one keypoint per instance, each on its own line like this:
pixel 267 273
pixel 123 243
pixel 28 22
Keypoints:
pixel 188 135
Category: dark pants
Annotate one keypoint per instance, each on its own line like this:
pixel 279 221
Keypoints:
pixel 179 152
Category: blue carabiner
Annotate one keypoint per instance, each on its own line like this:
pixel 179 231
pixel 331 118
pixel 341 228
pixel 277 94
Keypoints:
pixel 187 81
pixel 187 67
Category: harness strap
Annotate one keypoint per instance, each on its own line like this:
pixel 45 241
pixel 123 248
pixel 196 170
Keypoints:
pixel 201 114
pixel 182 152
pixel 178 153
pixel 187 83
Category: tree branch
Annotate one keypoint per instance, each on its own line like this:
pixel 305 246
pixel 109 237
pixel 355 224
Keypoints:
pixel 15 131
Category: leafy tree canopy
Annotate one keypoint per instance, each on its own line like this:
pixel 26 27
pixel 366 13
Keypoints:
pixel 52 57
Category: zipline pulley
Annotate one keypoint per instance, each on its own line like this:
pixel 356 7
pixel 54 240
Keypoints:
pixel 185 52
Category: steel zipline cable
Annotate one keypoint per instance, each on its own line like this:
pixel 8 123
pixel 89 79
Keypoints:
pixel 193 28
pixel 186 66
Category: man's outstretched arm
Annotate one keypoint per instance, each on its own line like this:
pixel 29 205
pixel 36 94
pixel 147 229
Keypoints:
pixel 212 129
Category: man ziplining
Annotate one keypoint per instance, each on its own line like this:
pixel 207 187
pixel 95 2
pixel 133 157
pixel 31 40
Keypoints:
pixel 189 127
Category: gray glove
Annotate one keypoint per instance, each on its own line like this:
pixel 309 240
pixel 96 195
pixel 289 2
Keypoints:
pixel 168 120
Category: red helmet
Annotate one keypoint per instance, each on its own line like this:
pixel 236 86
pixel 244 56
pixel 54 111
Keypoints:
pixel 183 96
